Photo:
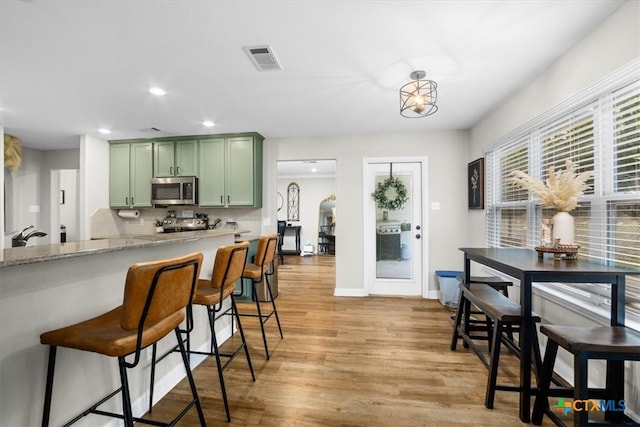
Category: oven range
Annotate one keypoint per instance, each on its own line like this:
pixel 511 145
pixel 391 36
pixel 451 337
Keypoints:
pixel 173 224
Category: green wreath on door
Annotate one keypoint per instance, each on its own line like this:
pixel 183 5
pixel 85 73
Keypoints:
pixel 390 194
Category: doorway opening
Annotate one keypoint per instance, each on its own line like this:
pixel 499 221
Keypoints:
pixel 64 205
pixel 312 230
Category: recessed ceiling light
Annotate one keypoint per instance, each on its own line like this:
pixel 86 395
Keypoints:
pixel 104 131
pixel 208 123
pixel 157 91
pixel 314 170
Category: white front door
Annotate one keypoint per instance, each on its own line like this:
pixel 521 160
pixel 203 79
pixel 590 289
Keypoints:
pixel 394 231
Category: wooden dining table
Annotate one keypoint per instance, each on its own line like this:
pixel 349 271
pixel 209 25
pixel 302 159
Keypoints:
pixel 526 266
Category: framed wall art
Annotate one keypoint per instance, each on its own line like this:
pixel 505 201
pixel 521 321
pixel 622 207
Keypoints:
pixel 475 182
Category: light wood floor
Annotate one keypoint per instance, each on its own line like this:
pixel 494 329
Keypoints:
pixel 375 361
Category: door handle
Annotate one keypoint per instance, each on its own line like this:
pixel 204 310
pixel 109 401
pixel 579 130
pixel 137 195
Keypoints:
pixel 418 236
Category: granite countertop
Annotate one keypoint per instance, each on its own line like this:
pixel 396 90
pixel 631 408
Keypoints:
pixel 246 237
pixel 31 254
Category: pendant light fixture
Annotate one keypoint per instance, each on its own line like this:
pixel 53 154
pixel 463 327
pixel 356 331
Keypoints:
pixel 418 98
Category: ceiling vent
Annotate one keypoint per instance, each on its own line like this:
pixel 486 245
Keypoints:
pixel 263 58
pixel 150 130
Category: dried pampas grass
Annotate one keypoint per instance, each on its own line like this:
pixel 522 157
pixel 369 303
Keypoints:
pixel 560 191
pixel 12 152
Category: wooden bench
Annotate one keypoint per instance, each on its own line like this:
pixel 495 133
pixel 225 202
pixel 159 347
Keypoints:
pixel 476 321
pixel 505 316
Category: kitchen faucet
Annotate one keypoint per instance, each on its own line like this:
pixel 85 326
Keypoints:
pixel 20 239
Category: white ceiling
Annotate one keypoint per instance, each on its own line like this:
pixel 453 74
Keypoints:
pixel 68 68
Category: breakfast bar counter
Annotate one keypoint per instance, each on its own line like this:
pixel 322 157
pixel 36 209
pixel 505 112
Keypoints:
pixel 32 254
pixel 50 286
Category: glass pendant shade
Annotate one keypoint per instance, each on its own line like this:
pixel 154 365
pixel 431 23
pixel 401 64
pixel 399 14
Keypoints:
pixel 418 98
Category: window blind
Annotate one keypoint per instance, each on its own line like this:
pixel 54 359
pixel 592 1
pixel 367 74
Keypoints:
pixel 598 131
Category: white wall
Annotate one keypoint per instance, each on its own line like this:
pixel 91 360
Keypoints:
pixel 93 191
pixel 447 152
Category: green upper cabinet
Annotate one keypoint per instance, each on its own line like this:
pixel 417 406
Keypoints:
pixel 211 178
pixel 119 158
pixel 130 173
pixel 230 173
pixel 175 158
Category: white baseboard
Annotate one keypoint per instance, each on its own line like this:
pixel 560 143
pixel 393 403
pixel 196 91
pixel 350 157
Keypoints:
pixel 432 294
pixel 349 292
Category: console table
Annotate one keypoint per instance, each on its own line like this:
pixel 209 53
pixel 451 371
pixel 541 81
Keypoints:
pixel 524 265
pixel 296 231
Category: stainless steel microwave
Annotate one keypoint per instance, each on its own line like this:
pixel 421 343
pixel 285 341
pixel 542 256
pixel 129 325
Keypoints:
pixel 181 190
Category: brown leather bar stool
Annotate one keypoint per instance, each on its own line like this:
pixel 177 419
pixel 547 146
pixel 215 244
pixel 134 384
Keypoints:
pixel 156 294
pixel 227 270
pixel 261 270
pixel 610 343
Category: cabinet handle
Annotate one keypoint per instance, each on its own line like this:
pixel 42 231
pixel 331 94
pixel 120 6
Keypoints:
pixel 171 170
pixel 126 200
pixel 177 170
pixel 132 202
pixel 228 199
pixel 221 199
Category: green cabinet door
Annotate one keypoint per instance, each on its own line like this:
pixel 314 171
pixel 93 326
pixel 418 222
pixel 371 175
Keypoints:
pixel 240 171
pixel 186 158
pixel 130 172
pixel 175 158
pixel 211 176
pixel 119 155
pixel 141 172
pixel 163 159
pixel 230 170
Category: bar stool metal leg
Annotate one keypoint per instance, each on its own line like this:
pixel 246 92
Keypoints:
pixel 216 352
pixel 49 386
pixel 126 396
pixel 273 302
pixel 192 383
pixel 254 287
pixel 244 341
